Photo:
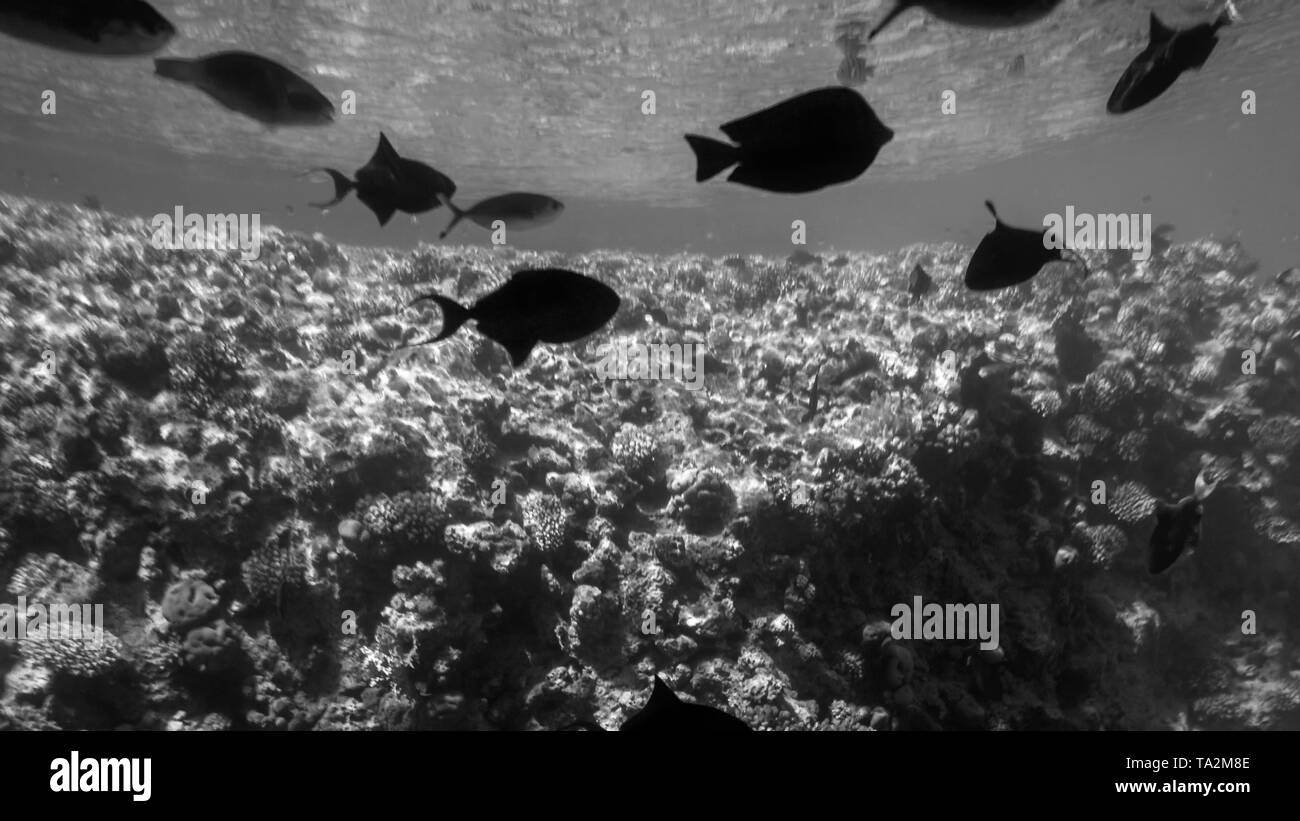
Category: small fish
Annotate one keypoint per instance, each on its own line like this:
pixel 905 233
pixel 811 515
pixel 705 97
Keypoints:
pixel 1178 527
pixel 547 305
pixel 390 183
pixel 1009 256
pixel 92 202
pixel 806 143
pixel 1017 67
pixel 919 283
pixel 666 713
pixel 103 28
pixel 801 259
pixel 1288 276
pixel 1168 54
pixel 975 13
pixel 518 211
pixel 251 85
pixel 1160 238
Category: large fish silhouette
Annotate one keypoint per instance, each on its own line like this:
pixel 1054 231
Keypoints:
pixel 1178 527
pixel 1010 256
pixel 975 13
pixel 1169 53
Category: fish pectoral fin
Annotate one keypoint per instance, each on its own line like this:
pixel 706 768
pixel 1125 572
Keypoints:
pixel 520 350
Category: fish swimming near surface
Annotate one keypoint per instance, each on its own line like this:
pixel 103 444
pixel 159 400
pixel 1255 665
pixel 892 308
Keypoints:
pixel 819 138
pixel 1009 256
pixel 251 85
pixel 1169 53
pixel 545 305
pixel 919 283
pixel 1178 527
pixel 666 713
pixel 517 211
pixel 103 28
pixel 975 13
pixel 390 183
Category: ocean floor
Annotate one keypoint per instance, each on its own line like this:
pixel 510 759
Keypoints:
pixel 291 527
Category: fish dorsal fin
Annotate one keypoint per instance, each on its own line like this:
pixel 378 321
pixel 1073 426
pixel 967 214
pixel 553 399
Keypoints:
pixel 663 693
pixel 385 154
pixel 1159 31
pixel 992 210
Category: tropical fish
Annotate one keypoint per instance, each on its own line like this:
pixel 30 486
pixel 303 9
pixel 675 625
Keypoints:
pixel 1009 256
pixel 806 143
pixel 546 305
pixel 666 713
pixel 104 28
pixel 1178 527
pixel 517 211
pixel 975 13
pixel 919 283
pixel 1169 53
pixel 251 85
pixel 390 183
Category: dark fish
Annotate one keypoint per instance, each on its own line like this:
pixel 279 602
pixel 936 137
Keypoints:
pixel 1017 68
pixel 1178 527
pixel 919 283
pixel 92 202
pixel 666 713
pixel 806 143
pixel 975 13
pixel 1160 238
pixel 251 85
pixel 801 258
pixel 105 28
pixel 517 210
pixel 1168 54
pixel 546 305
pixel 390 183
pixel 1009 256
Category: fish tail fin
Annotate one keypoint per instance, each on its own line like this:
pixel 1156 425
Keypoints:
pixel 899 7
pixel 456 215
pixel 174 68
pixel 342 186
pixel 711 156
pixel 453 315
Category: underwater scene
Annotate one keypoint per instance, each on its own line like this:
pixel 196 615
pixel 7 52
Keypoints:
pixel 675 365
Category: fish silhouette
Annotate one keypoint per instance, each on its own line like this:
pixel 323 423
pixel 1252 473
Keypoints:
pixel 919 283
pixel 806 143
pixel 666 713
pixel 546 305
pixel 103 28
pixel 1169 53
pixel 390 183
pixel 251 85
pixel 1178 527
pixel 516 210
pixel 975 13
pixel 1009 256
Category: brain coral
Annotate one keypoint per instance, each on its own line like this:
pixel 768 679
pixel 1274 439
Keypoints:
pixel 188 602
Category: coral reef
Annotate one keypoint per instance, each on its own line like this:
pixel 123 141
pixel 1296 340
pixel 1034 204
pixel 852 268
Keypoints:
pixel 293 527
